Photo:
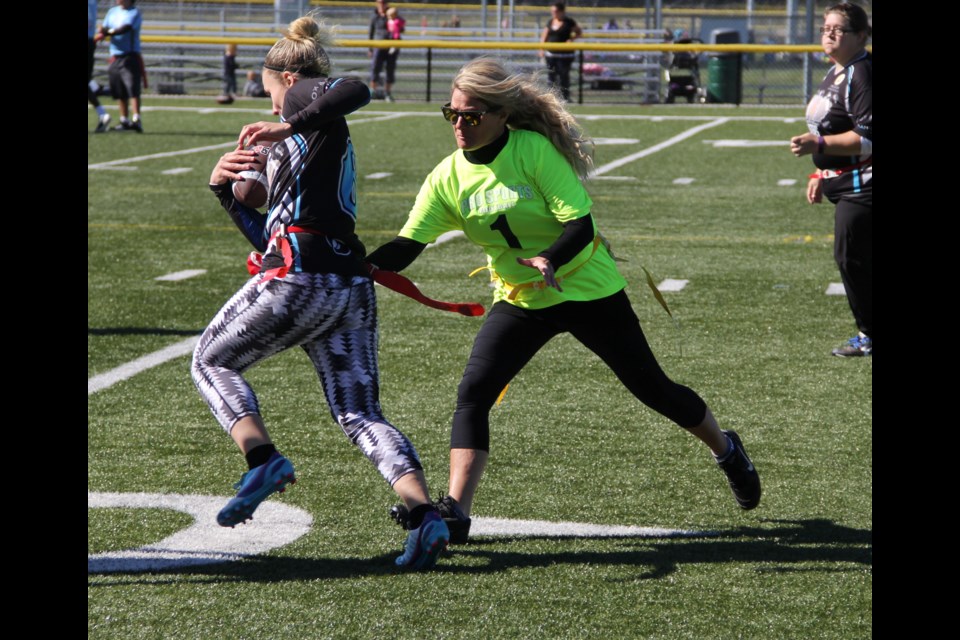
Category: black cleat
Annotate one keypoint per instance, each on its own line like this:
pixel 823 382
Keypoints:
pixel 457 521
pixel 742 475
pixel 103 124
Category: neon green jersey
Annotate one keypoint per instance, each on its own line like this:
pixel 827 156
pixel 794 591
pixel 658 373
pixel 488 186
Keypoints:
pixel 515 207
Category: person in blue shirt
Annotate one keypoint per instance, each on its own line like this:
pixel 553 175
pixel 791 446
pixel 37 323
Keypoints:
pixel 122 25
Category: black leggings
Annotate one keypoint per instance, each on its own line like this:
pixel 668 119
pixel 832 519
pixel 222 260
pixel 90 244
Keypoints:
pixel 511 336
pixel 558 72
pixel 853 251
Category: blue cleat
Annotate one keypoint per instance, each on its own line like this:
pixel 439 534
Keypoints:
pixel 425 543
pixel 858 345
pixel 255 486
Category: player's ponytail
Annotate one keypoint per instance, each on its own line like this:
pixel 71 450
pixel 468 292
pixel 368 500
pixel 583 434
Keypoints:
pixel 302 49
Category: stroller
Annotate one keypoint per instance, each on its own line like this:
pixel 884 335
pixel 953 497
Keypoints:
pixel 683 74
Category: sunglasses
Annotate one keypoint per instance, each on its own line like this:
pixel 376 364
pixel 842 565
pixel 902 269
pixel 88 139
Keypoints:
pixel 472 118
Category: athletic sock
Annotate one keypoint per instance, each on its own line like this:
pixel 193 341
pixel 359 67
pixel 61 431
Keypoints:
pixel 101 111
pixel 729 451
pixel 259 455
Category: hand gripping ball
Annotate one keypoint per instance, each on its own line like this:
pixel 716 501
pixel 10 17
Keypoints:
pixel 252 190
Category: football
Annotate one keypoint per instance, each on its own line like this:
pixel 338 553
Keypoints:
pixel 252 190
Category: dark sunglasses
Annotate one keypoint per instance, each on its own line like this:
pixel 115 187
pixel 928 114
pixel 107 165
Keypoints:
pixel 472 118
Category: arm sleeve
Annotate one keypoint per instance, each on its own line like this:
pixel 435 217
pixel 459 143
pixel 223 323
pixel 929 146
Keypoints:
pixel 577 234
pixel 397 254
pixel 251 222
pixel 342 97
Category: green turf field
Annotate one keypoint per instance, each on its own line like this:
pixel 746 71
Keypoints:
pixel 753 336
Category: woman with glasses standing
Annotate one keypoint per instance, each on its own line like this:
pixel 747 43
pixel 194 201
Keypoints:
pixel 840 138
pixel 515 188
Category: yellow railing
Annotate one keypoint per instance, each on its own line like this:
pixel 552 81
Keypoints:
pixel 516 46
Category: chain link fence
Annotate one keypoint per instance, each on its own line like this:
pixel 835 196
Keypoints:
pixel 628 54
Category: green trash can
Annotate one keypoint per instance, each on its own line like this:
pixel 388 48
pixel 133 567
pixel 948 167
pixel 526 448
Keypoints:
pixel 724 78
pixel 724 70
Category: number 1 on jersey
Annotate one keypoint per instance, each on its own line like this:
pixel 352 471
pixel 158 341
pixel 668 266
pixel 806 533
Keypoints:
pixel 504 228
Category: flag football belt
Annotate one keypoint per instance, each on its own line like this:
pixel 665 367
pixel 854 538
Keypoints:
pixel 515 289
pixel 389 279
pixel 826 174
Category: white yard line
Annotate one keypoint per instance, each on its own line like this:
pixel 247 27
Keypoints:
pixel 278 524
pixel 446 237
pixel 689 133
pixel 181 275
pixel 104 380
pixel 164 154
pixel 212 147
pixel 672 284
pixel 203 542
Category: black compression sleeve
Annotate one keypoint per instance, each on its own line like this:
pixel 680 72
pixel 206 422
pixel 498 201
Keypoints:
pixel 396 255
pixel 250 221
pixel 576 235
pixel 343 98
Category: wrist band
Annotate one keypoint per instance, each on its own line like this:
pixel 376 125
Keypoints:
pixel 820 145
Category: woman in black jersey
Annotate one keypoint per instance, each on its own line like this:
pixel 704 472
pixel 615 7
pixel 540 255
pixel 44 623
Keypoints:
pixel 310 290
pixel 840 138
pixel 561 28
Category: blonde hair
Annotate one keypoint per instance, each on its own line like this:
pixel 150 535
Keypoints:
pixel 530 103
pixel 302 49
pixel 392 12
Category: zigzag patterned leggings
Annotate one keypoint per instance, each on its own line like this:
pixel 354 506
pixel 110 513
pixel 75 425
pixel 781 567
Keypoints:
pixel 334 319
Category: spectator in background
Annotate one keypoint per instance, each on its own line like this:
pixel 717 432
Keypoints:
pixel 611 25
pixel 229 74
pixel 840 140
pixel 561 28
pixel 381 57
pixel 396 25
pixel 103 118
pixel 122 25
pixel 254 87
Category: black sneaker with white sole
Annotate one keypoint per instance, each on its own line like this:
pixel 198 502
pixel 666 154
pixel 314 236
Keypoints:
pixel 742 475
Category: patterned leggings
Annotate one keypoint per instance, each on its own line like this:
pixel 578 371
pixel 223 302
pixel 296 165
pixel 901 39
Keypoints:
pixel 334 319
